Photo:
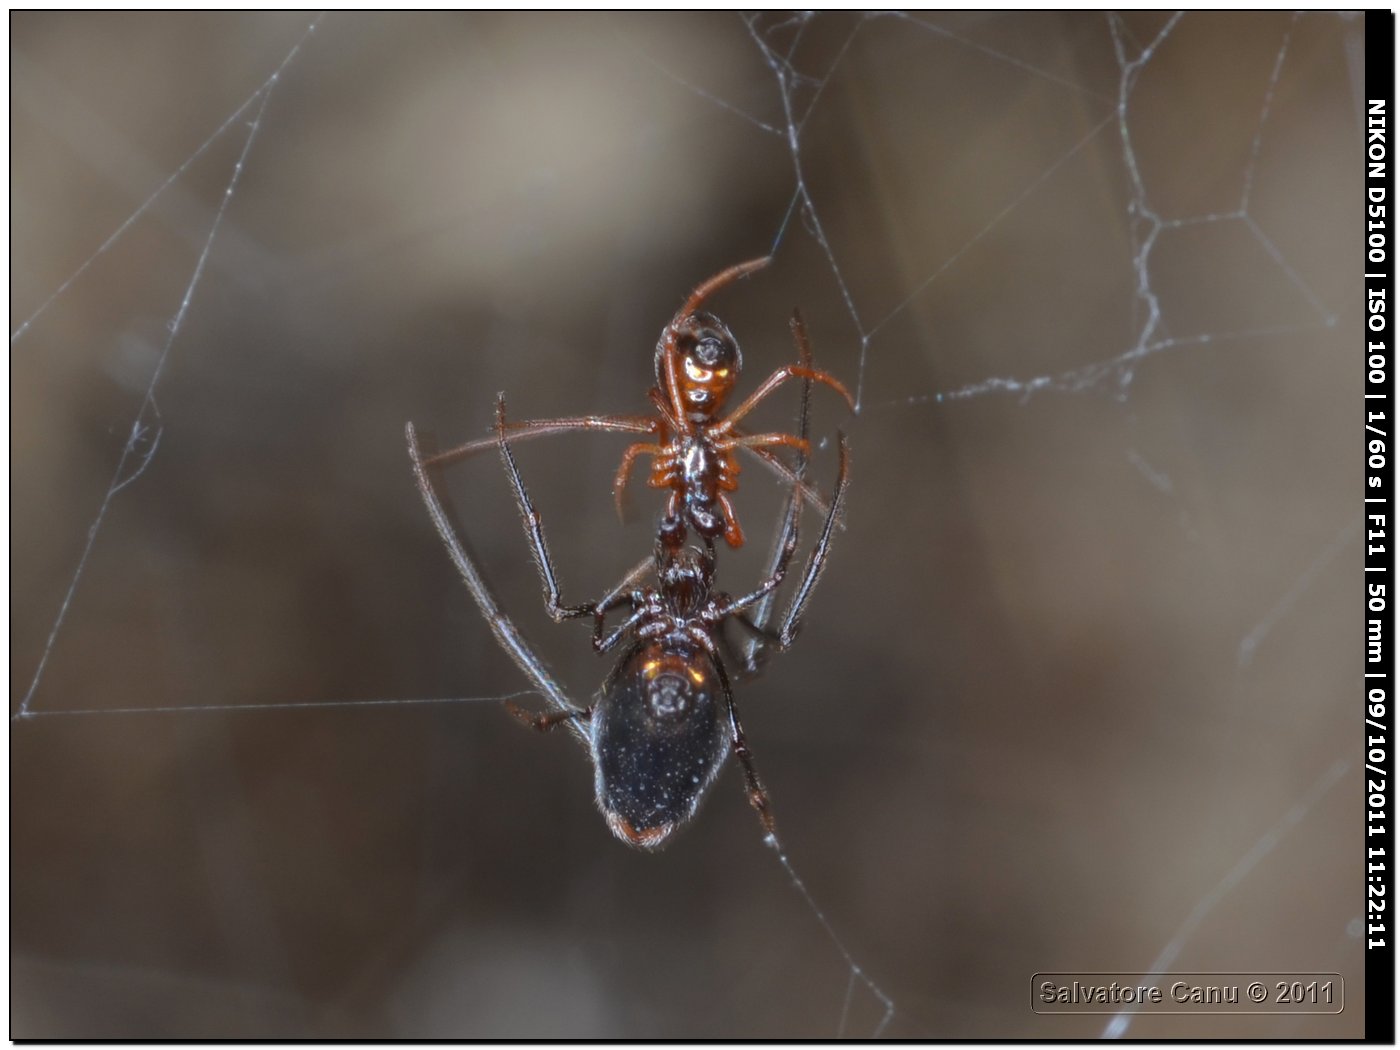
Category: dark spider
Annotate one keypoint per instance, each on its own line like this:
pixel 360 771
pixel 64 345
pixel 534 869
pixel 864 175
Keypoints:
pixel 697 363
pixel 665 718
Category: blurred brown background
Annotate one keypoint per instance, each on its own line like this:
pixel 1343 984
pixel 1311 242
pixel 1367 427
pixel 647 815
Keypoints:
pixel 1083 674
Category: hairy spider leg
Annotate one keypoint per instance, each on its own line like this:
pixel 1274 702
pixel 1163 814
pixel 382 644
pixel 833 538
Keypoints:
pixel 605 643
pixel 757 793
pixel 761 639
pixel 772 383
pixel 539 547
pixel 619 594
pixel 663 427
pixel 507 635
pixel 527 429
pixel 547 721
pixel 816 560
pixel 719 281
pixel 733 606
pixel 624 471
pixel 761 440
pixel 542 427
pixel 757 625
pixel 534 529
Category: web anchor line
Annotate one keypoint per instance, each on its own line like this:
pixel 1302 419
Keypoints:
pixel 133 447
pixel 1118 1025
pixel 857 972
pixel 170 180
pixel 282 705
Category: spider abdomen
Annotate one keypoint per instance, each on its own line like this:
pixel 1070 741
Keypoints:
pixel 700 467
pixel 657 739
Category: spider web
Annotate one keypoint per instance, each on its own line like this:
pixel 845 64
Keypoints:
pixel 1076 693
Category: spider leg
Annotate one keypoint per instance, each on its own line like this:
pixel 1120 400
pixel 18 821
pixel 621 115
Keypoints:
pixel 534 428
pixel 757 794
pixel 720 280
pixel 761 634
pixel 777 379
pixel 602 644
pixel 729 606
pixel 623 589
pixel 534 528
pixel 619 594
pixel 624 471
pixel 733 534
pixel 726 644
pixel 761 639
pixel 507 635
pixel 786 473
pixel 764 441
pixel 816 561
pixel 663 408
pixel 668 367
pixel 544 723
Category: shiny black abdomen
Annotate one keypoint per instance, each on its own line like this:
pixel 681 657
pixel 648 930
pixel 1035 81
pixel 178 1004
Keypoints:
pixel 658 738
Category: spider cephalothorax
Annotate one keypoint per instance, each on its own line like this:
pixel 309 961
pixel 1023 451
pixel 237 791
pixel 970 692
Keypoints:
pixel 710 363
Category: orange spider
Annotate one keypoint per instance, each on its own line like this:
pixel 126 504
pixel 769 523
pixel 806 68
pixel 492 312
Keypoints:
pixel 697 363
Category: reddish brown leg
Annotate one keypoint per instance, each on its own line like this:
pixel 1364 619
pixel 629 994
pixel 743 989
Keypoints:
pixel 547 721
pixel 764 440
pixel 733 534
pixel 625 470
pixel 776 380
pixel 664 407
pixel 729 471
pixel 540 427
pixel 715 283
pixel 663 475
pixel 673 383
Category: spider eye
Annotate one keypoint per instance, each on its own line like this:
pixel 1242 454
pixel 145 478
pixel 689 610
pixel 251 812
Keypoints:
pixel 696 373
pixel 711 350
